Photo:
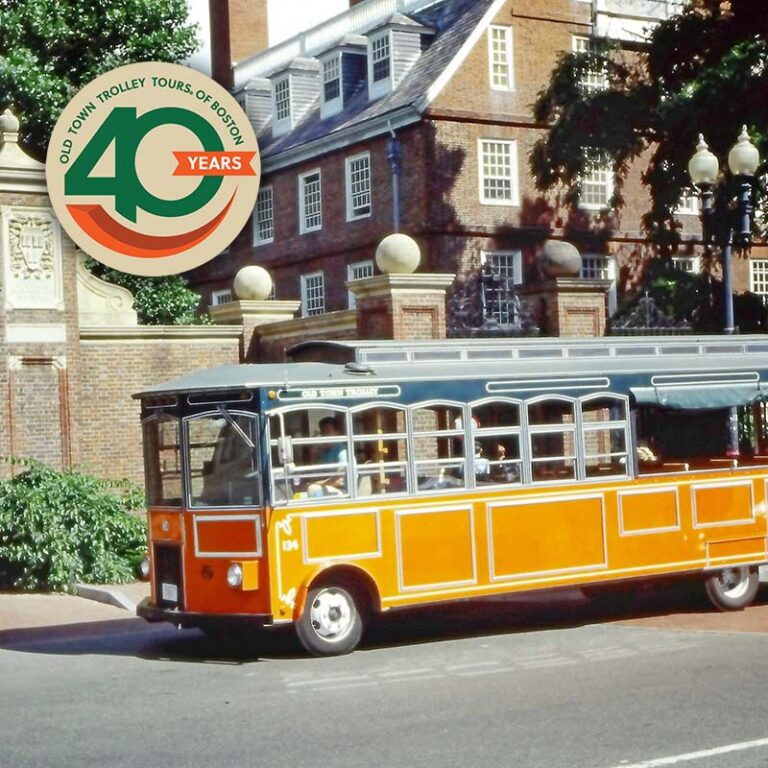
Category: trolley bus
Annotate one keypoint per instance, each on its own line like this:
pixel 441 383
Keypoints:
pixel 363 477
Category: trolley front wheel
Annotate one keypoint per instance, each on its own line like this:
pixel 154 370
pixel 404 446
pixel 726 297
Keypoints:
pixel 332 621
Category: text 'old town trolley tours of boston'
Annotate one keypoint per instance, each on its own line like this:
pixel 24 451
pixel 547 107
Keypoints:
pixel 363 477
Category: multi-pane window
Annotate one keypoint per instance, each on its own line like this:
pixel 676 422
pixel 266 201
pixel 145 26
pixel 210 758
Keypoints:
pixel 689 264
pixel 331 79
pixel 597 181
pixel 358 271
pixel 500 57
pixel 358 186
pixel 312 294
pixel 688 204
pixel 498 172
pixel 596 78
pixel 223 296
pixel 264 217
pixel 380 58
pixel 502 270
pixel 283 99
pixel 598 267
pixel 758 278
pixel 310 202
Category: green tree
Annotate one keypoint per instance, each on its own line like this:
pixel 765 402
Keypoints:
pixel 705 70
pixel 49 49
pixel 157 300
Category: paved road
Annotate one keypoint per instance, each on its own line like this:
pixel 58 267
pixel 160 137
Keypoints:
pixel 493 685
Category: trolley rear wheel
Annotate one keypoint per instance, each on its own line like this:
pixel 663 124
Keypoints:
pixel 732 589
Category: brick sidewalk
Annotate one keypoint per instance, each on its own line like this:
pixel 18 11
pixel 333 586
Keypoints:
pixel 19 610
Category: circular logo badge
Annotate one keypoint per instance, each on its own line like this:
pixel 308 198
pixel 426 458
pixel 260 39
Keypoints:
pixel 153 169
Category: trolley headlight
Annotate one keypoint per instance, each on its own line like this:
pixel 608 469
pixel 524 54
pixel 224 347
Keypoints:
pixel 235 575
pixel 145 567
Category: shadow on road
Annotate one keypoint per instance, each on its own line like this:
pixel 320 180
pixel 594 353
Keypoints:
pixel 466 619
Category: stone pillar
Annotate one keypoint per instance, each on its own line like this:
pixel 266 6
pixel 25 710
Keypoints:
pixel 563 303
pixel 252 309
pixel 400 304
pixel 39 339
pixel 568 306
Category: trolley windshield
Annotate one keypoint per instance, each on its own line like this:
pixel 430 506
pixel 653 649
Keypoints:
pixel 206 460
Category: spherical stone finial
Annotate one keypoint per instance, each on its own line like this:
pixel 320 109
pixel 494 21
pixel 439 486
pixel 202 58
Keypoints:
pixel 559 259
pixel 398 254
pixel 252 283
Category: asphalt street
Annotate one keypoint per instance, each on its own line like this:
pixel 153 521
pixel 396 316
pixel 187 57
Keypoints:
pixel 490 685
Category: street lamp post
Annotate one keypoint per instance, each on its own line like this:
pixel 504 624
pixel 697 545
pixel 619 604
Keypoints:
pixel 727 225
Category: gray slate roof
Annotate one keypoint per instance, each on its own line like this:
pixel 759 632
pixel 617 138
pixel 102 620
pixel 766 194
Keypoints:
pixel 453 22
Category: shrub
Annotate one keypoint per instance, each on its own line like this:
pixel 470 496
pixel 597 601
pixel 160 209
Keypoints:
pixel 60 528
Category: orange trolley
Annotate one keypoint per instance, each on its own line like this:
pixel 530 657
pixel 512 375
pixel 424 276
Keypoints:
pixel 374 476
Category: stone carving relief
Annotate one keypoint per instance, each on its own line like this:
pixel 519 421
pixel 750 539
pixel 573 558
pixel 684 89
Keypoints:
pixel 32 246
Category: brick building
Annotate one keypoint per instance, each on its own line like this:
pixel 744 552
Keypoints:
pixel 416 115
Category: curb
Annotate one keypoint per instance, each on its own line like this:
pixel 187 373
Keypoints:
pixel 105 595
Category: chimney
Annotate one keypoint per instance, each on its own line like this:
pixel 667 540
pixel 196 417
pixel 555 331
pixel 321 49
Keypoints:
pixel 221 55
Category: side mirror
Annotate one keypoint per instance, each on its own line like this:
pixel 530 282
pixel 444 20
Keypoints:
pixel 285 450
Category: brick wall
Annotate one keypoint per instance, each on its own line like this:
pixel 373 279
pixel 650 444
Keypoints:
pixel 116 367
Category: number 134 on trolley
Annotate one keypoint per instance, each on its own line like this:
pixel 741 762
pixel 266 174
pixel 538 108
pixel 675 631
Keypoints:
pixel 373 476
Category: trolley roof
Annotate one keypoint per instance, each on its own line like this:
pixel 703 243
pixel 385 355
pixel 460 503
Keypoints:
pixel 686 372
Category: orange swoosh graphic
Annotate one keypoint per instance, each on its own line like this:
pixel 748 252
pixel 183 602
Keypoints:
pixel 101 227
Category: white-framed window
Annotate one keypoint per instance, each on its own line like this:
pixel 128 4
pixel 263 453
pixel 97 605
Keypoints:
pixel 601 266
pixel 223 296
pixel 689 264
pixel 500 62
pixel 498 293
pixel 312 294
pixel 310 202
pixel 596 79
pixel 357 271
pixel 497 160
pixel 379 64
pixel 688 205
pixel 358 185
pixel 282 104
pixel 597 181
pixel 264 217
pixel 598 266
pixel 508 264
pixel 331 101
pixel 758 277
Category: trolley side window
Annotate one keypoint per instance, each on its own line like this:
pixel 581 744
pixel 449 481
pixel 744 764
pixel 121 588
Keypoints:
pixel 380 449
pixel 162 451
pixel 438 446
pixel 604 436
pixel 552 434
pixel 223 463
pixel 309 450
pixel 496 430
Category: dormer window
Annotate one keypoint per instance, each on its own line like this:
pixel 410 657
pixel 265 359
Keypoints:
pixel 332 78
pixel 282 97
pixel 331 101
pixel 380 58
pixel 380 65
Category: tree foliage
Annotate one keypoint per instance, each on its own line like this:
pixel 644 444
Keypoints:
pixel 61 528
pixel 157 300
pixel 49 49
pixel 705 71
